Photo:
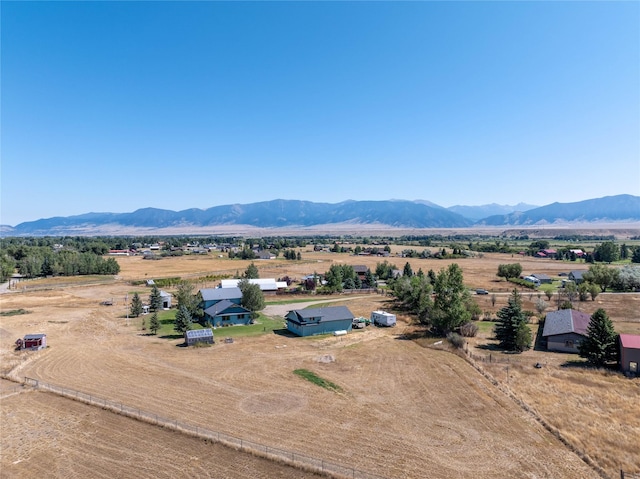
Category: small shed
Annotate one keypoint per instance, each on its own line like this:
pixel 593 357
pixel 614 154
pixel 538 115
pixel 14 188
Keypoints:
pixel 166 299
pixel 195 336
pixel 34 341
pixel 630 353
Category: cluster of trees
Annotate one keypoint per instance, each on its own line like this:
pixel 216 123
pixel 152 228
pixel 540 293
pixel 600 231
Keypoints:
pixel 438 300
pixel 292 255
pixel 343 276
pixel 42 261
pixel 626 278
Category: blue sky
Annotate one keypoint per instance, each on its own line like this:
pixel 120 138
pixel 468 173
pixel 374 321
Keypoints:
pixel 115 106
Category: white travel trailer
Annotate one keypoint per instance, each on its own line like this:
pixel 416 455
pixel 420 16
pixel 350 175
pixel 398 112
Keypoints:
pixel 381 318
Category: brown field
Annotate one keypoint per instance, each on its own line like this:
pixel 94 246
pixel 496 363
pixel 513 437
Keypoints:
pixel 405 410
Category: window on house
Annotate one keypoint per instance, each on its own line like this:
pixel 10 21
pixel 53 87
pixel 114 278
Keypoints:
pixel 241 316
pixel 568 343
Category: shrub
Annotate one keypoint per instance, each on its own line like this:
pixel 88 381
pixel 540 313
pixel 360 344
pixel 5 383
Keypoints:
pixel 469 330
pixel 456 340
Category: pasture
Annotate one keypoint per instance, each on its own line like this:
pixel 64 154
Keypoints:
pixel 403 408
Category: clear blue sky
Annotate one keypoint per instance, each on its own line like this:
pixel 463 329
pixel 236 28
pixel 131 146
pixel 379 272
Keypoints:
pixel 114 106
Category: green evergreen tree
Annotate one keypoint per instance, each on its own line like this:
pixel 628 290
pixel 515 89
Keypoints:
pixel 183 320
pixel 154 323
pixel 136 305
pixel 251 272
pixel 600 346
pixel 407 270
pixel 155 300
pixel 511 330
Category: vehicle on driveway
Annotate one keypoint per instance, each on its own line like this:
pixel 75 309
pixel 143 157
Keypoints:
pixel 482 291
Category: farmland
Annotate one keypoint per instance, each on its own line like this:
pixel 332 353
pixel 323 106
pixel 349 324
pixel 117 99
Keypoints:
pixel 403 407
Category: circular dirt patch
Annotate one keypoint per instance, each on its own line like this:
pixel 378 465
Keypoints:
pixel 272 403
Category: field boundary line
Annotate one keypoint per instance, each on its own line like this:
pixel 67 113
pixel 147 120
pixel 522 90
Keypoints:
pixel 469 358
pixel 290 458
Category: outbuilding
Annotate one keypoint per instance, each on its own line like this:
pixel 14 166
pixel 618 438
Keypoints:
pixel 34 341
pixel 312 321
pixel 196 336
pixel 630 353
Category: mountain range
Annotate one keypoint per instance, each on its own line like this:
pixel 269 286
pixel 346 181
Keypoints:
pixel 417 214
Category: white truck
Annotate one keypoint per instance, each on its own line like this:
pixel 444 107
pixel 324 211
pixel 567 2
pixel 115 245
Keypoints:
pixel 382 318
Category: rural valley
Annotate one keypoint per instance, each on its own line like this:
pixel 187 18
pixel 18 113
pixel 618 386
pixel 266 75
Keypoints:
pixel 408 405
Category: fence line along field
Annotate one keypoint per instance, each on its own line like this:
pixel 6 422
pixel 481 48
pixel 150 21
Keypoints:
pixel 402 410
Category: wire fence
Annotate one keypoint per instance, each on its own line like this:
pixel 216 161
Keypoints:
pixel 291 458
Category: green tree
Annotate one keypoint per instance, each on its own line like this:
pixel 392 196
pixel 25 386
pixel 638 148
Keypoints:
pixel 600 345
pixel 603 276
pixel 407 271
pixel 7 267
pixel 183 320
pixel 414 295
pixel 251 272
pixel 185 296
pixel 155 300
pixel 606 252
pixel 136 305
pixel 252 296
pixel 511 330
pixel 635 256
pixel 449 310
pixel 509 270
pixel 154 323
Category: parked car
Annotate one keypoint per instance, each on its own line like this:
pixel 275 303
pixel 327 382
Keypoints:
pixel 482 291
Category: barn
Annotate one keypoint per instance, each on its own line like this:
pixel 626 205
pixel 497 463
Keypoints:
pixel 630 353
pixel 312 321
pixel 34 341
pixel 196 336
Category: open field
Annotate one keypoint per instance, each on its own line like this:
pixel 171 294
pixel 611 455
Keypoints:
pixel 404 410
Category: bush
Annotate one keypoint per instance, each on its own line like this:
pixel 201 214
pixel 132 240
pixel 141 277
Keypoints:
pixel 469 330
pixel 456 340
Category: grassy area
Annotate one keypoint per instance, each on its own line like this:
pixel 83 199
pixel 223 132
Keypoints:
pixel 315 379
pixel 485 327
pixel 306 299
pixel 14 312
pixel 262 325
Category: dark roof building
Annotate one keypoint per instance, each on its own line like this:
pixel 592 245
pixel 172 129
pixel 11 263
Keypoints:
pixel 565 329
pixel 312 321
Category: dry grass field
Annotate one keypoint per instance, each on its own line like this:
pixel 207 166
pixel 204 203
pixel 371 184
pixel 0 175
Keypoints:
pixel 404 411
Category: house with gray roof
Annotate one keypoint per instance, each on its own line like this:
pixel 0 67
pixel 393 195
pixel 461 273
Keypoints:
pixel 576 276
pixel 542 278
pixel 565 329
pixel 312 321
pixel 211 296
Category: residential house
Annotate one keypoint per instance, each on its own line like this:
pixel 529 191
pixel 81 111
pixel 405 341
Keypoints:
pixel 222 307
pixel 576 276
pixel 361 271
pixel 312 321
pixel 211 296
pixel 565 329
pixel 542 278
pixel 630 353
pixel 265 255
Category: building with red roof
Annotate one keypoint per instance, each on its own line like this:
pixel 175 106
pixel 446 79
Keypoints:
pixel 630 353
